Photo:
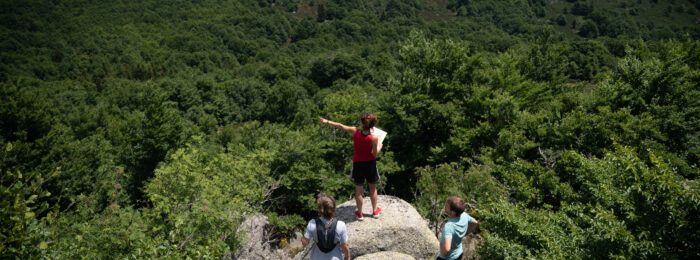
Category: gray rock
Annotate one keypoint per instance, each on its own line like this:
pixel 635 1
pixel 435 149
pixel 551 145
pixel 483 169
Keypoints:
pixel 469 244
pixel 386 255
pixel 399 229
pixel 305 252
pixel 256 244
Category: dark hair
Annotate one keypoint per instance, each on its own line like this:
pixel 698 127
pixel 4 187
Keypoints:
pixel 368 120
pixel 456 204
pixel 326 205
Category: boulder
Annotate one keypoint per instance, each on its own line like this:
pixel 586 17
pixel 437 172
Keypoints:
pixel 399 233
pixel 399 229
pixel 386 255
pixel 469 244
pixel 256 244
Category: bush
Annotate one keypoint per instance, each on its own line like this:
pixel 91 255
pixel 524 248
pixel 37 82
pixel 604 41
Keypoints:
pixel 613 219
pixel 561 20
pixel 327 69
pixel 285 226
pixel 581 9
pixel 540 11
pixel 476 186
pixel 24 214
pixel 589 29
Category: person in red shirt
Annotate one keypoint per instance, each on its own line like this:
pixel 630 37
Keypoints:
pixel 364 163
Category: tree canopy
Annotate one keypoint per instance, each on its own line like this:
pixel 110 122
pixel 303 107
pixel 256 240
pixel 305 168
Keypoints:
pixel 137 129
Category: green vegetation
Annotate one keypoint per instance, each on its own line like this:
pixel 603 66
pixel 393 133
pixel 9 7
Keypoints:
pixel 136 129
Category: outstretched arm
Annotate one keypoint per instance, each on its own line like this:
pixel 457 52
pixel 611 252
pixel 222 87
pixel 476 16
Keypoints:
pixel 349 129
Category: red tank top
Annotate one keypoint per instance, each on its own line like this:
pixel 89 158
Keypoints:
pixel 363 147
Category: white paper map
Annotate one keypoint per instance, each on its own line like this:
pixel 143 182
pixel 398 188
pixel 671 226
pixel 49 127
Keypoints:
pixel 379 133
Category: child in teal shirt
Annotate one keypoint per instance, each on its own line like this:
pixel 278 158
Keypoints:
pixel 459 224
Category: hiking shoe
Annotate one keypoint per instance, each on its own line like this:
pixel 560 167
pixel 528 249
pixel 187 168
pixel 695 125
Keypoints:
pixel 376 212
pixel 359 216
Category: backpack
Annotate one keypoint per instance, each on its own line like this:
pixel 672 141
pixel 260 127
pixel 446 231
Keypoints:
pixel 325 238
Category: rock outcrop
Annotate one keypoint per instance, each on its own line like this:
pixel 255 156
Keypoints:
pixel 469 245
pixel 399 229
pixel 399 233
pixel 256 244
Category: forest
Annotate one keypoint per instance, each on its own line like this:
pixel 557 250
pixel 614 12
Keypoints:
pixel 142 129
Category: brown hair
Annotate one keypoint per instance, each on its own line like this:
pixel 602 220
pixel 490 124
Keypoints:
pixel 368 120
pixel 326 205
pixel 456 204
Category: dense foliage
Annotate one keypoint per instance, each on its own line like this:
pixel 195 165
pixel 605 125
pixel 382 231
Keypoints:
pixel 136 129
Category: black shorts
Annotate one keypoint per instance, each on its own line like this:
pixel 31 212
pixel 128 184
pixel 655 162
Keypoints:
pixel 364 171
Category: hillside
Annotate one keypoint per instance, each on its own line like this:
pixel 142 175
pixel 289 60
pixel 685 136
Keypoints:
pixel 137 129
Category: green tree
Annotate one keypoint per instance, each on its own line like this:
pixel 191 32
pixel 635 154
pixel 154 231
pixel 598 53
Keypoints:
pixel 321 13
pixel 588 29
pixel 544 59
pixel 581 9
pixel 201 195
pixel 561 20
pixel 25 213
pixel 662 85
pixel 618 216
pixel 328 68
pixel 435 184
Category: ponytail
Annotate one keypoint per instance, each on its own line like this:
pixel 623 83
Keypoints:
pixel 326 205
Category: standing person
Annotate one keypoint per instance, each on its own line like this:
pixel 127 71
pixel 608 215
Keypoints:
pixel 459 224
pixel 331 235
pixel 364 162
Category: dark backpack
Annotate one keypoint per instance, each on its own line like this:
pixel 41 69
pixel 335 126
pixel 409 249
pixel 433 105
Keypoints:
pixel 325 236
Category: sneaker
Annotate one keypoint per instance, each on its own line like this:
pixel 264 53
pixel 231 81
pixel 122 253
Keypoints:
pixel 359 216
pixel 376 212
